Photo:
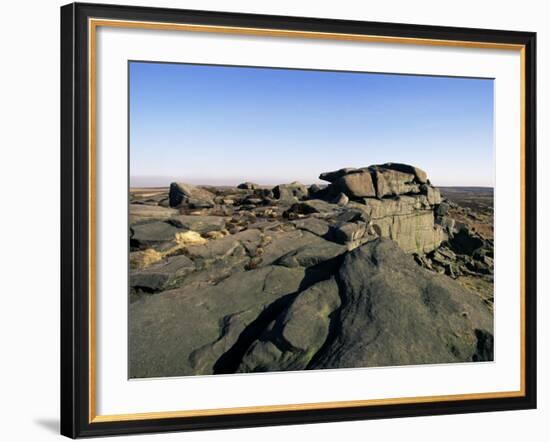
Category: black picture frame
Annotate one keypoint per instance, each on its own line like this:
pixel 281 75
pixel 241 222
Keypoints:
pixel 75 220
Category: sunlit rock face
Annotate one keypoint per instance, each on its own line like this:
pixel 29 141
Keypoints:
pixel 398 201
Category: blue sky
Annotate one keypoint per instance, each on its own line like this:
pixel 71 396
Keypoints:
pixel 225 125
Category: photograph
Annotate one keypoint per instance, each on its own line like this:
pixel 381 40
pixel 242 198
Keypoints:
pixel 285 219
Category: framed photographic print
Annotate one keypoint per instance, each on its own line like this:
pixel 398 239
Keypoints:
pixel 273 220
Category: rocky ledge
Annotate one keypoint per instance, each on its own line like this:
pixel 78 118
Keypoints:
pixel 368 270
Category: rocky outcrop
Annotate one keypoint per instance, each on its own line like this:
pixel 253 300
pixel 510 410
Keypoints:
pixel 371 269
pixel 397 199
pixel 395 313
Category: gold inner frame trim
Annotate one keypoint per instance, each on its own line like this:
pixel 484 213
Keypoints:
pixel 93 24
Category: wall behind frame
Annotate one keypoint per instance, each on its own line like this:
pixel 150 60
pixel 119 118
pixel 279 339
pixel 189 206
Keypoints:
pixel 29 179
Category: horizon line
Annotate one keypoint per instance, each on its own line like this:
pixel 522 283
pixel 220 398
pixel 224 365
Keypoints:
pixel 236 182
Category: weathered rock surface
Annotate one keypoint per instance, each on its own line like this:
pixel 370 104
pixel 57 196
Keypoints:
pixel 145 212
pixel 295 336
pixel 310 255
pixel 152 234
pixel 418 173
pixel 356 185
pixel 279 244
pixel 391 183
pixel 221 248
pixel 312 206
pixel 162 275
pixel 414 233
pixel 396 198
pixel 201 224
pixel 290 192
pixel 185 331
pixel 182 193
pixel 316 226
pixel 371 269
pixel 395 313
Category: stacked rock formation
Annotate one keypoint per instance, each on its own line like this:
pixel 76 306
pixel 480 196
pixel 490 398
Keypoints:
pixel 398 200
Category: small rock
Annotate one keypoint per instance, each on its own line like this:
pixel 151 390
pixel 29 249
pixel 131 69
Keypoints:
pixel 342 199
pixel 248 185
pixel 433 195
pixel 442 209
pixel 182 193
pixel 254 201
pixel 348 232
pixel 289 192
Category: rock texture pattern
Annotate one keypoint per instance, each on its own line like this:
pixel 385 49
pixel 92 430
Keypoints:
pixel 374 268
pixel 398 201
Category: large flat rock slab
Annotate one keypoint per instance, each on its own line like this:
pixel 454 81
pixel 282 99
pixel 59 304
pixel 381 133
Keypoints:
pixel 146 212
pixel 198 223
pixel 153 234
pixel 185 331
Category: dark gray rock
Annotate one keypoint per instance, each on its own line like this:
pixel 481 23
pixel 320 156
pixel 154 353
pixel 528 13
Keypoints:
pixel 198 223
pixel 291 340
pixel 212 272
pixel 265 225
pixel 312 254
pixel 465 241
pixel 290 192
pixel 221 248
pixel 248 185
pixel 348 232
pixel 187 331
pixel 314 225
pixel 152 234
pixel 314 189
pixel 145 212
pixel 182 193
pixel 196 203
pixel 278 244
pixel 312 206
pixel 396 313
pixel 162 275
